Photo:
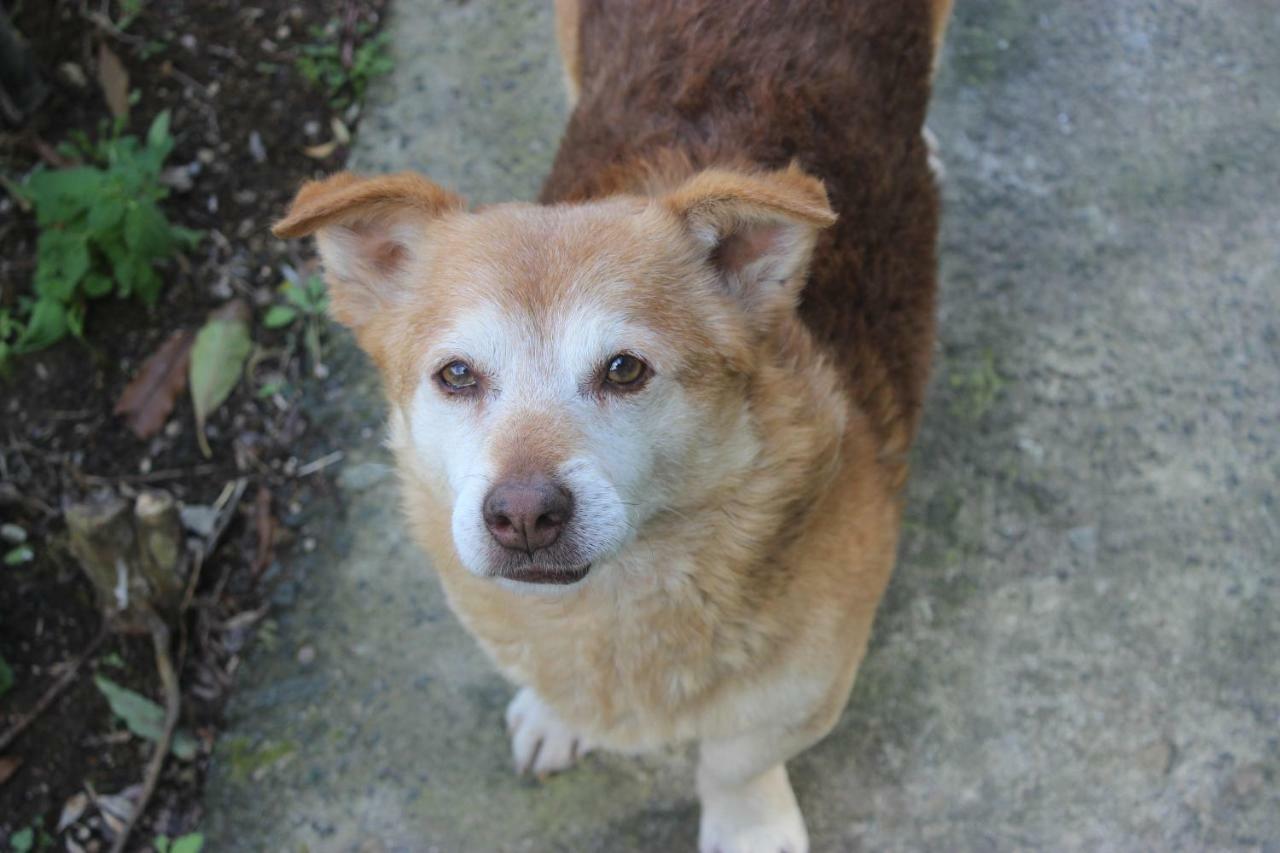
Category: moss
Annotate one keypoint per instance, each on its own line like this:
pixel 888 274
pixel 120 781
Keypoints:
pixel 249 761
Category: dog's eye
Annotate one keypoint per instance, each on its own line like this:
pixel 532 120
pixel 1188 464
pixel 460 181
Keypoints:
pixel 457 376
pixel 625 371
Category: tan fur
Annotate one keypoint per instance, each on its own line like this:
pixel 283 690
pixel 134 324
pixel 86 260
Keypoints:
pixel 739 614
pixel 567 16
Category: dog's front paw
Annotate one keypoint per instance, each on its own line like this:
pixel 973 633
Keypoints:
pixel 759 817
pixel 540 743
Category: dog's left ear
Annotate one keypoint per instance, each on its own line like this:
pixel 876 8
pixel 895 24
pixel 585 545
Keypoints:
pixel 758 231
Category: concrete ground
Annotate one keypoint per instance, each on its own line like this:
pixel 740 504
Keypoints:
pixel 1081 646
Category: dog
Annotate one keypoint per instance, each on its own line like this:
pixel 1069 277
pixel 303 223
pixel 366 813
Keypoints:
pixel 653 430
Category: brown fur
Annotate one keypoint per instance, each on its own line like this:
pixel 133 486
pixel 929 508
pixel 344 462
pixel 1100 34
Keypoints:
pixel 838 86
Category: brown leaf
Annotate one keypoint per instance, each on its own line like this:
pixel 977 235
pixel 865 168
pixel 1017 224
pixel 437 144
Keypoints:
pixel 9 764
pixel 114 81
pixel 149 399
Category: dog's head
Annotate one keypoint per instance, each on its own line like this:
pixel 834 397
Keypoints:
pixel 564 374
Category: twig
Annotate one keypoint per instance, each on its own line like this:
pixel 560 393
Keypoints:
pixel 172 708
pixel 152 476
pixel 320 464
pixel 54 691
pixel 108 27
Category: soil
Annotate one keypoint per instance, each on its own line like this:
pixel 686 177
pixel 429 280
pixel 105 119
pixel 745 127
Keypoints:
pixel 241 115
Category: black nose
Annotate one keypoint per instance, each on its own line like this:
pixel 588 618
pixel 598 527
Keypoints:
pixel 528 513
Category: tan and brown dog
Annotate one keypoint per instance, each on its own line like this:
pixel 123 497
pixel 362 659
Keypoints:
pixel 653 431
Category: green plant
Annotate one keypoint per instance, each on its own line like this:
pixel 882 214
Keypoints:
pixel 190 843
pixel 305 302
pixel 322 63
pixel 101 231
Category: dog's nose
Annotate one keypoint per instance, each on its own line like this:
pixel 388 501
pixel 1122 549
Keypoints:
pixel 527 514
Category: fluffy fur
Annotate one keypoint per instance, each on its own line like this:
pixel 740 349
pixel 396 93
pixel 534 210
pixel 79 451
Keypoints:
pixel 742 201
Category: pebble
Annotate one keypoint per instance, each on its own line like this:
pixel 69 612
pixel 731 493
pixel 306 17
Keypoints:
pixel 306 654
pixel 13 534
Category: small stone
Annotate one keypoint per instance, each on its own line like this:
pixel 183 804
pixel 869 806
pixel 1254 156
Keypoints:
pixel 13 534
pixel 206 156
pixel 188 41
pixel 256 149
pixel 307 654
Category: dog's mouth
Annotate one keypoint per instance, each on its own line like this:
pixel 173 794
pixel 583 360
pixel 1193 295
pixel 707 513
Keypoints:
pixel 553 575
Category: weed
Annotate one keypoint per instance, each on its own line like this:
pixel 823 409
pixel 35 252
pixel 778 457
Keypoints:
pixel 101 231
pixel 305 302
pixel 344 75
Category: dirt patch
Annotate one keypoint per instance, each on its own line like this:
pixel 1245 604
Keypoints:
pixel 242 115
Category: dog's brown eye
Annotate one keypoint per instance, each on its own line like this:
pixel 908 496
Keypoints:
pixel 457 376
pixel 624 370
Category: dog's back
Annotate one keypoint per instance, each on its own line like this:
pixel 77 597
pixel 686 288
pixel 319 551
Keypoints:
pixel 839 86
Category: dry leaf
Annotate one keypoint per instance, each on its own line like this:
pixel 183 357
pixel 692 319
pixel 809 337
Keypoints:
pixel 149 398
pixel 320 152
pixel 114 81
pixel 9 765
pixel 72 810
pixel 341 134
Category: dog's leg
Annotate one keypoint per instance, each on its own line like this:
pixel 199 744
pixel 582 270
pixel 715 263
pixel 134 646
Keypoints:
pixel 747 802
pixel 541 743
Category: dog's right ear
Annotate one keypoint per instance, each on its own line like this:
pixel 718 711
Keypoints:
pixel 369 231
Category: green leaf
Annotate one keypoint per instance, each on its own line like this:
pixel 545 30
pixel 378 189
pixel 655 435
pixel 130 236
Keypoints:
pixel 23 840
pixel 279 315
pixel 63 194
pixel 146 232
pixel 158 134
pixel 46 326
pixel 191 843
pixel 217 359
pixel 62 259
pixel 188 238
pixel 143 717
pixel 106 213
pixel 96 284
pixel 16 557
pixel 6 677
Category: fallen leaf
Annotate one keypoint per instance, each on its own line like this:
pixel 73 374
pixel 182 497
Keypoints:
pixel 9 765
pixel 149 398
pixel 340 132
pixel 320 152
pixel 143 717
pixel 217 359
pixel 199 519
pixel 72 809
pixel 114 81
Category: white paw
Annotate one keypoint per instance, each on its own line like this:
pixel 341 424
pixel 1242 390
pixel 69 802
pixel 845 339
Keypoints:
pixel 760 817
pixel 540 743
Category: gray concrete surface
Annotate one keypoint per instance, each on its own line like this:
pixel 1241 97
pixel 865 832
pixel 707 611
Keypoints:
pixel 1081 646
